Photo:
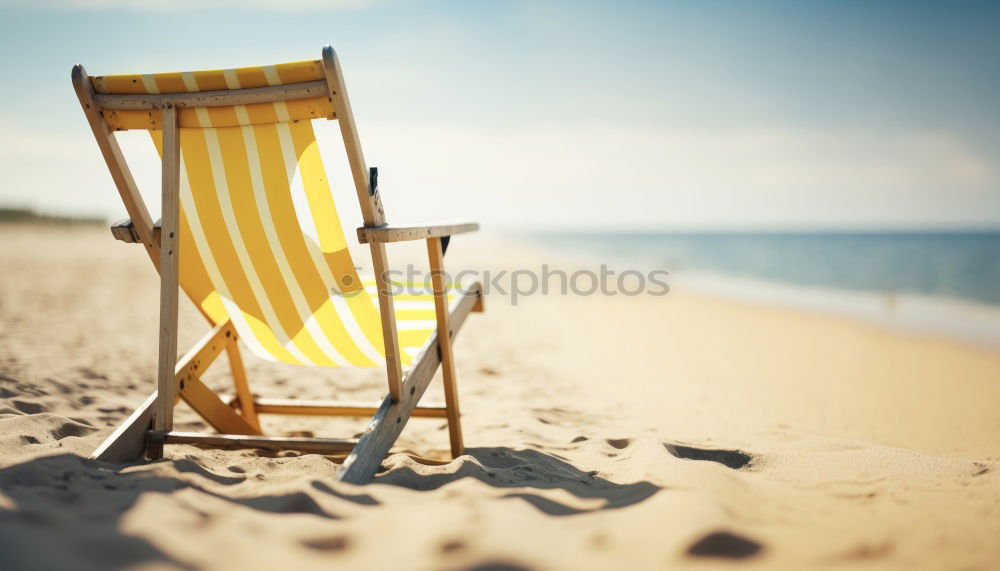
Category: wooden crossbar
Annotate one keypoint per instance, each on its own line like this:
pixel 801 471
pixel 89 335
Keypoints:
pixel 313 445
pixel 213 409
pixel 388 233
pixel 220 98
pixel 205 351
pixel 124 231
pixel 199 397
pixel 292 407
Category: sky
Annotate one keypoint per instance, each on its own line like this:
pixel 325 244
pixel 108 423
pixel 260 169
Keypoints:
pixel 562 115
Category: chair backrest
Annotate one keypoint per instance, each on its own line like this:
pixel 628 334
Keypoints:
pixel 260 239
pixel 306 75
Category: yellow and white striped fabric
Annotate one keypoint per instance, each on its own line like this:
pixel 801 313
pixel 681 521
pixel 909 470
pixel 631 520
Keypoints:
pixel 260 239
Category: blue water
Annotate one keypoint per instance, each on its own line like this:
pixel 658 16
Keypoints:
pixel 963 265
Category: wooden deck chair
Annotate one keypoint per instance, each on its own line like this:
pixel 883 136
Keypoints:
pixel 250 232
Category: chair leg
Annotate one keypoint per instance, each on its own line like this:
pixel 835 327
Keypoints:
pixel 163 411
pixel 435 252
pixel 240 384
pixel 390 418
pixel 128 442
pixel 451 401
pixel 454 418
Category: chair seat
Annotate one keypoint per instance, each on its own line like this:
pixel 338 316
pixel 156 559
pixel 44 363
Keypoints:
pixel 416 319
pixel 345 330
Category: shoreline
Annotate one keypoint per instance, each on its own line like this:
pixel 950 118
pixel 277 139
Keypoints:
pixel 952 318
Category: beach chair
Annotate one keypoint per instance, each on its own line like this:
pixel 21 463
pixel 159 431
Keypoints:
pixel 250 232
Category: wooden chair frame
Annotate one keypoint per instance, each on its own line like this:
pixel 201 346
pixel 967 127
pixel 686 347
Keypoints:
pixel 150 427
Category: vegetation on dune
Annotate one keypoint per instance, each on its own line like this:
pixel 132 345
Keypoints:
pixel 27 215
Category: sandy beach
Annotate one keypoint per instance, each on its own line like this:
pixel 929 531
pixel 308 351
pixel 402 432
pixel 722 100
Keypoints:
pixel 602 432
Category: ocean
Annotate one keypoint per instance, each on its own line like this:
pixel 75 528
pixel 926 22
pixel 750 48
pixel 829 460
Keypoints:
pixel 940 282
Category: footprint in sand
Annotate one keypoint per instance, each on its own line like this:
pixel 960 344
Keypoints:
pixel 328 544
pixel 28 407
pixel 619 443
pixel 870 551
pixel 91 374
pixel 734 459
pixel 724 544
pixel 497 566
pixel 71 428
pixel 292 503
pixel 453 546
pixel 112 409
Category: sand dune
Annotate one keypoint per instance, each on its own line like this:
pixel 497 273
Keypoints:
pixel 602 432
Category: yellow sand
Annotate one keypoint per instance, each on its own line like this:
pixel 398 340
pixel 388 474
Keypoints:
pixel 865 447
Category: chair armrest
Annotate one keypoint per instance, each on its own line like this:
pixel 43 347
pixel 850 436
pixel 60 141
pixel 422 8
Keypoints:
pixel 387 233
pixel 124 230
